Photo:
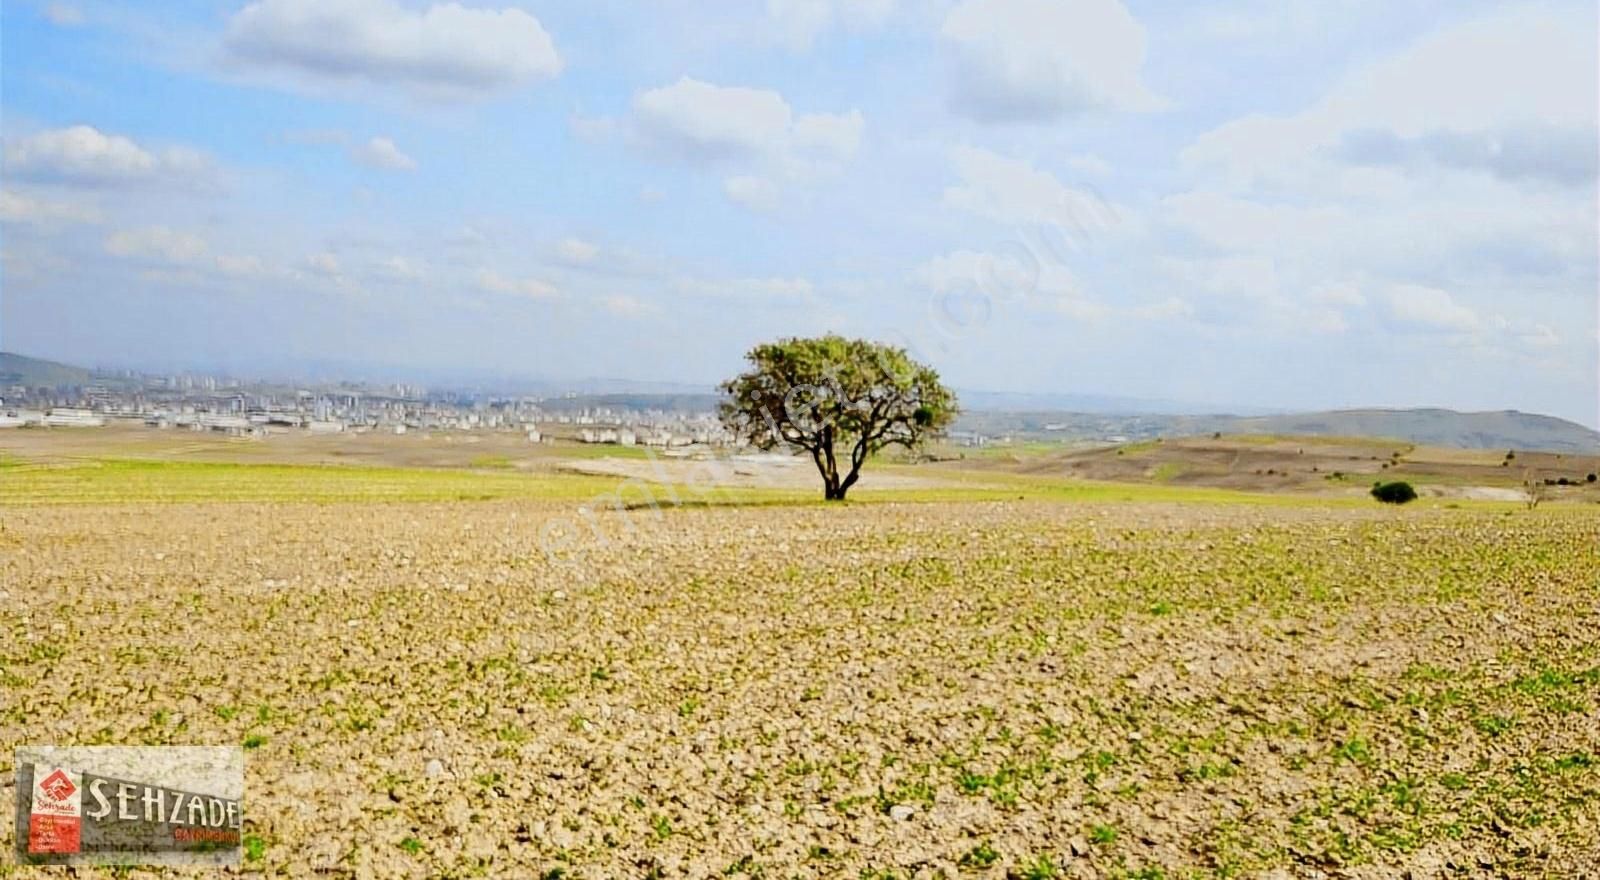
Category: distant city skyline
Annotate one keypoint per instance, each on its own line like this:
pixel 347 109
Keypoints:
pixel 1279 206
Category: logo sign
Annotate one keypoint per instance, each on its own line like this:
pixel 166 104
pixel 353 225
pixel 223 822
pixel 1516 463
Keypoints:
pixel 138 805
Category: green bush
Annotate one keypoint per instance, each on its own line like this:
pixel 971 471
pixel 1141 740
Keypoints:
pixel 1394 493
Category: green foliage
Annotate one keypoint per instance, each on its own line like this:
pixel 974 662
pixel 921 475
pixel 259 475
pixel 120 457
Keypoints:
pixel 1397 492
pixel 979 857
pixel 832 397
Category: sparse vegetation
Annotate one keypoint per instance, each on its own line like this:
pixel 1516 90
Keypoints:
pixel 700 692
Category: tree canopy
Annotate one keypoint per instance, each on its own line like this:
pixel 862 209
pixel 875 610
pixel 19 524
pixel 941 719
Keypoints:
pixel 841 400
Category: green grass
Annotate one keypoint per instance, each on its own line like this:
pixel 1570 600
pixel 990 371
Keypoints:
pixel 103 481
pixel 126 480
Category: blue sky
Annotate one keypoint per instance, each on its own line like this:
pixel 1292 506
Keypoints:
pixel 1274 204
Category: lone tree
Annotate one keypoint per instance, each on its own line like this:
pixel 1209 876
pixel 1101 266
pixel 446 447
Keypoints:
pixel 834 397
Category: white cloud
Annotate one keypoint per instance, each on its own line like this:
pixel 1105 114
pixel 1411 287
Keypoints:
pixel 446 51
pixel 1090 164
pixel 18 207
pixel 1246 277
pixel 1539 336
pixel 1431 307
pixel 755 193
pixel 1042 60
pixel 1485 95
pixel 981 271
pixel 243 266
pixel 532 288
pixel 402 268
pixel 63 14
pixel 704 122
pixel 576 251
pixel 325 264
pixel 1169 309
pixel 752 131
pixel 800 22
pixel 1012 191
pixel 84 154
pixel 624 306
pixel 156 243
pixel 991 281
pixel 381 152
pixel 829 136
pixel 749 290
pixel 1339 294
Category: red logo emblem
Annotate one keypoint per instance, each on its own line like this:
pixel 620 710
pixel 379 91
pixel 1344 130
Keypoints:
pixel 57 786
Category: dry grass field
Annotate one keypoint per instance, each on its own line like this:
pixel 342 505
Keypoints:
pixel 459 673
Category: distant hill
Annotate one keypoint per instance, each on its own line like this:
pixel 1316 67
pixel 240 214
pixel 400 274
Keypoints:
pixel 16 369
pixel 1059 416
pixel 1434 427
pixel 1507 429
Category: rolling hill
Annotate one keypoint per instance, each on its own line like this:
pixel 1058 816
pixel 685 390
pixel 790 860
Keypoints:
pixel 16 369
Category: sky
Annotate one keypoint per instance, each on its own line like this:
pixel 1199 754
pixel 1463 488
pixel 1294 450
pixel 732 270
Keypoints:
pixel 1290 204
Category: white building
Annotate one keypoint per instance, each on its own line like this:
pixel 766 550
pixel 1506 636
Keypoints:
pixel 72 417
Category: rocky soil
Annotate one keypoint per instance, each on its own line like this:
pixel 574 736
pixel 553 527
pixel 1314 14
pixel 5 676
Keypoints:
pixel 985 690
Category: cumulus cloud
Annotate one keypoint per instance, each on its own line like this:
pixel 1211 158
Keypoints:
pixel 1013 191
pixel 1043 60
pixel 982 271
pixel 1532 152
pixel 704 122
pixel 444 52
pixel 1454 172
pixel 1431 308
pixel 752 130
pixel 83 154
pixel 381 153
pixel 1530 114
pixel 156 243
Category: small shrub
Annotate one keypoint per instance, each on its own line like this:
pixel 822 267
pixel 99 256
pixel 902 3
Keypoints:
pixel 981 856
pixel 1591 478
pixel 1398 492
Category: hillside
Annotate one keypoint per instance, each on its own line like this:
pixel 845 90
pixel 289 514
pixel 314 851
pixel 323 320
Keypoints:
pixel 1433 427
pixel 16 369
pixel 1295 465
pixel 1506 429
